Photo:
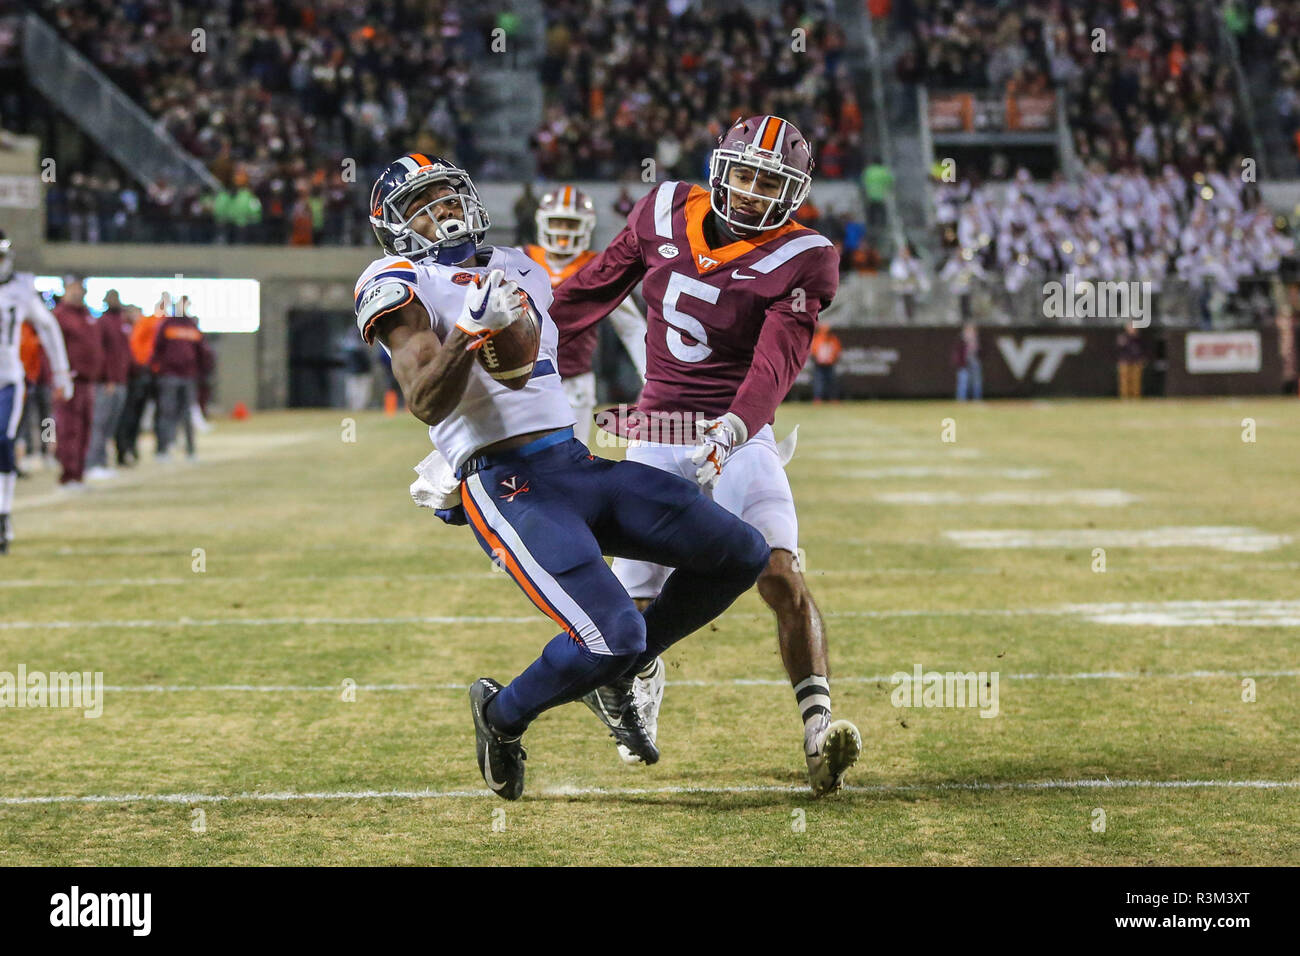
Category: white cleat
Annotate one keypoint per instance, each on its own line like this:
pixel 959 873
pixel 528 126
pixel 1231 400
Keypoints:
pixel 831 747
pixel 647 696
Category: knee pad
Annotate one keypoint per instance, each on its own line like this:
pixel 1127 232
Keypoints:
pixel 624 632
pixel 8 461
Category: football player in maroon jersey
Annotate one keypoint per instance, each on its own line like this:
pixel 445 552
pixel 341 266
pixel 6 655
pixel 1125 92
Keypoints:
pixel 733 288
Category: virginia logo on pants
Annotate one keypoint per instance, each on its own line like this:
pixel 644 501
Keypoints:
pixel 512 487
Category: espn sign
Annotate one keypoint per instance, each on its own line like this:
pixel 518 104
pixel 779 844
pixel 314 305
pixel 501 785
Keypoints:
pixel 1218 353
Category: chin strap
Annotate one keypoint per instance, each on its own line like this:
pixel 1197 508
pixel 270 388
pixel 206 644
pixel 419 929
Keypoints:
pixel 454 255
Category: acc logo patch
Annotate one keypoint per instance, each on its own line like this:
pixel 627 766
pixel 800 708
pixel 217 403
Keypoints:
pixel 463 278
pixel 668 250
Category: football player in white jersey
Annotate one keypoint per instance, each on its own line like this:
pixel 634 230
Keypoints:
pixel 566 219
pixel 541 505
pixel 19 303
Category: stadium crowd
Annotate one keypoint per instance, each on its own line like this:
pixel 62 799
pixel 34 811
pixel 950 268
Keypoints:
pixel 272 97
pixel 282 93
pixel 1269 33
pixel 629 81
pixel 132 371
pixel 1149 90
pixel 1211 231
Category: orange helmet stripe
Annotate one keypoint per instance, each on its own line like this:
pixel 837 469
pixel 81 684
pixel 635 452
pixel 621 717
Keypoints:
pixel 421 159
pixel 567 201
pixel 771 129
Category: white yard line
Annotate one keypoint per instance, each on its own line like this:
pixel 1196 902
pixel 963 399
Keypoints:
pixel 1093 497
pixel 974 786
pixel 725 682
pixel 1217 613
pixel 263 622
pixel 211 579
pixel 1218 538
pixel 943 471
pixel 227 448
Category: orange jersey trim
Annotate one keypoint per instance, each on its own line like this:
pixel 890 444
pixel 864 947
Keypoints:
pixel 538 255
pixel 706 259
pixel 512 566
pixel 399 264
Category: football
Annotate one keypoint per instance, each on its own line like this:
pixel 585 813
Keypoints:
pixel 509 355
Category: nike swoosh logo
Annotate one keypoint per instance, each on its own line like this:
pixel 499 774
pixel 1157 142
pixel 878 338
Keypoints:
pixel 487 773
pixel 524 272
pixel 735 274
pixel 487 764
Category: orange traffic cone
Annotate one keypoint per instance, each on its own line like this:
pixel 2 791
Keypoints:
pixel 390 403
pixel 240 412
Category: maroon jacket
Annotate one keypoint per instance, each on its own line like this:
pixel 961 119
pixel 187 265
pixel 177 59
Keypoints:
pixel 117 346
pixel 179 349
pixel 83 340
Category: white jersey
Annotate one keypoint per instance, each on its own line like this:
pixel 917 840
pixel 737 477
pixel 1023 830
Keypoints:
pixel 488 411
pixel 19 303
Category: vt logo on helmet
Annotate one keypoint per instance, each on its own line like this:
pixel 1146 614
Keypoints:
pixel 759 174
pixel 416 185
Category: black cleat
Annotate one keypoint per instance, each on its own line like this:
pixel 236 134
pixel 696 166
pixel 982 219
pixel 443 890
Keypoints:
pixel 500 758
pixel 4 534
pixel 614 705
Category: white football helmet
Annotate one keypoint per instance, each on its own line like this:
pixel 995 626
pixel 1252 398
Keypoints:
pixel 6 258
pixel 566 219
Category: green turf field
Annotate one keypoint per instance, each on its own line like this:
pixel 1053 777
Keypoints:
pixel 226 685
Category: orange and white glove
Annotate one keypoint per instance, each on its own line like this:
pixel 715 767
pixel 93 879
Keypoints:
pixel 719 437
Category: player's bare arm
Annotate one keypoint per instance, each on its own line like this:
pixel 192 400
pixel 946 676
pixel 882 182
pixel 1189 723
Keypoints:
pixel 432 374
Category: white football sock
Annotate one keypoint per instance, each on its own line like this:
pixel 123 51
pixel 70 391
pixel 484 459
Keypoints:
pixel 7 481
pixel 813 695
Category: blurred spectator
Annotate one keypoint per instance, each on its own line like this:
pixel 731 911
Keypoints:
pixel 237 212
pixel 623 204
pixel 73 417
pixel 180 359
pixel 960 272
pixel 141 386
pixel 826 351
pixel 1132 359
pixel 525 212
pixel 966 360
pixel 878 182
pixel 110 394
pixel 360 379
pixel 909 280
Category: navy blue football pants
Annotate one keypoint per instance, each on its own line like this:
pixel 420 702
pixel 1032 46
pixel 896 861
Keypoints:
pixel 548 516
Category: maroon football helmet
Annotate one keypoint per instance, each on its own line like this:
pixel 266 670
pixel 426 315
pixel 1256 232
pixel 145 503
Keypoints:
pixel 768 145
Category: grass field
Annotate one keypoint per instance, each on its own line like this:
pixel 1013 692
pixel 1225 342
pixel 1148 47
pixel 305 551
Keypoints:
pixel 225 684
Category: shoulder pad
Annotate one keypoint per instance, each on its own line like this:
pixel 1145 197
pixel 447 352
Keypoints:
pixel 379 297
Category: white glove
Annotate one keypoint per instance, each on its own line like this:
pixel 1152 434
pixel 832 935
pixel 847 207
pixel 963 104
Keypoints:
pixel 490 306
pixel 437 487
pixel 719 437
pixel 63 385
